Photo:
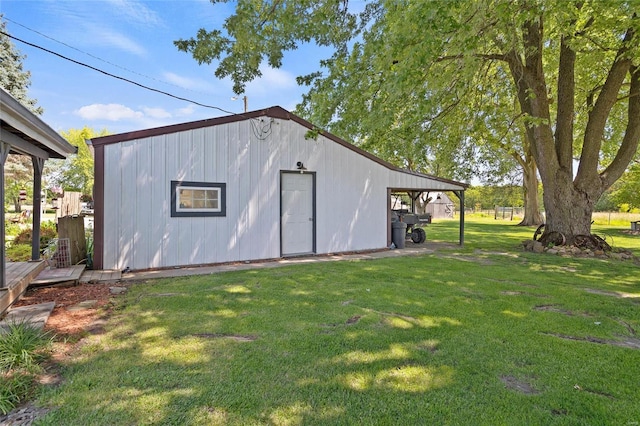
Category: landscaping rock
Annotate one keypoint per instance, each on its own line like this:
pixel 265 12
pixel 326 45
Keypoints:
pixel 117 290
pixel 23 416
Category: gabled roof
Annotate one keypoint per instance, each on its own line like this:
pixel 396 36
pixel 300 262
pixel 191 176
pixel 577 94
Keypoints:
pixel 26 133
pixel 272 112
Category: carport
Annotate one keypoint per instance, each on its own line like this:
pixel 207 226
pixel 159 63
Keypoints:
pixel 423 183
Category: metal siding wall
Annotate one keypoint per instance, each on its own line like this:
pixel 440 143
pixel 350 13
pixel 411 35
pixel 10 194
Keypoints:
pixel 351 204
pixel 128 236
pixel 197 240
pixel 351 200
pixel 112 184
pixel 160 203
pixel 143 206
pixel 404 180
pixel 170 172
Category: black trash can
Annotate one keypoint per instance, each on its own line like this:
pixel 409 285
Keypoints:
pixel 398 233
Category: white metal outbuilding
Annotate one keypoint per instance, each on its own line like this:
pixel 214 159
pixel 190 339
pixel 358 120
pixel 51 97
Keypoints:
pixel 243 187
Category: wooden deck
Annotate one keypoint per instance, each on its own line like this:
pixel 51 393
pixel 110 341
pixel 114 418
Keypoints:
pixel 104 276
pixel 70 275
pixel 19 275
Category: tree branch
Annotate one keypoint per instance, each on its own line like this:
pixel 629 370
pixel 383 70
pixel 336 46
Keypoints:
pixel 594 130
pixel 487 56
pixel 566 106
pixel 631 138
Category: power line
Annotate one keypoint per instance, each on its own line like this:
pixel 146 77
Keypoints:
pixel 116 76
pixel 97 57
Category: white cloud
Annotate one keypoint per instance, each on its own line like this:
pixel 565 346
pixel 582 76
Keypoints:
pixel 107 37
pixel 111 112
pixel 136 12
pixel 156 112
pixel 271 79
pixel 139 118
pixel 187 83
pixel 186 111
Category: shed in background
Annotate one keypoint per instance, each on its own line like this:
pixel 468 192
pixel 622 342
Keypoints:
pixel 440 206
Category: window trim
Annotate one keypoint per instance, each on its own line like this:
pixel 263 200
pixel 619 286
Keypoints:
pixel 176 212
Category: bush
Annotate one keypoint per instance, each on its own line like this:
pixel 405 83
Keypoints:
pixel 11 229
pixel 14 388
pixel 18 252
pixel 48 232
pixel 22 349
pixel 24 346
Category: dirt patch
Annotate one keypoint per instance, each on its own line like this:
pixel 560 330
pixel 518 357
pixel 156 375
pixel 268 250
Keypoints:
pixel 522 293
pixel 354 319
pixel 465 258
pixel 628 342
pixel 66 319
pixel 236 337
pixel 559 310
pixel 24 415
pixel 618 294
pixel 518 385
pixel 90 304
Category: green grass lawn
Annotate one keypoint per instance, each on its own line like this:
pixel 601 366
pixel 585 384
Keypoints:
pixel 485 334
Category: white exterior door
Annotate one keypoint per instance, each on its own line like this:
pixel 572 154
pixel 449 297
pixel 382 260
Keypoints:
pixel 297 213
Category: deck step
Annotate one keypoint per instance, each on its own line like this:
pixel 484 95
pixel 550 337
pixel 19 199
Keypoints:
pixel 53 276
pixel 19 275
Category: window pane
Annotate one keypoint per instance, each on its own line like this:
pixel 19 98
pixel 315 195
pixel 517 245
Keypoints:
pixel 192 199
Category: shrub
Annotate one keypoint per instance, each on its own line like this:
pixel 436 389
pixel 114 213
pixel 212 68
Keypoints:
pixel 48 231
pixel 11 229
pixel 14 388
pixel 19 252
pixel 24 346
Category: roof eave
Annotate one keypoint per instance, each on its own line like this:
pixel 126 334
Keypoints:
pixel 31 126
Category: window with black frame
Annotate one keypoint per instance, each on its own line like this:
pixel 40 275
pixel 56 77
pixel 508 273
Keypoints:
pixel 196 199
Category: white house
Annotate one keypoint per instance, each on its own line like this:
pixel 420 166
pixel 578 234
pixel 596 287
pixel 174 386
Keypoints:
pixel 243 187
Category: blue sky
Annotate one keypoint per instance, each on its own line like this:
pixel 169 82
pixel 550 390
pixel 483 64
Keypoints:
pixel 134 39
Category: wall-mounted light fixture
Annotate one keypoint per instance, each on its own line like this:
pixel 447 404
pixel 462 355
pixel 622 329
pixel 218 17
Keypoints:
pixel 301 166
pixel 438 197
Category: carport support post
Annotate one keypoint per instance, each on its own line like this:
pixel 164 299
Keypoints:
pixel 460 195
pixel 4 152
pixel 38 166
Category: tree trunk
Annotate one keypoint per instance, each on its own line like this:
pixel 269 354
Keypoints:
pixel 569 202
pixel 532 216
pixel 568 209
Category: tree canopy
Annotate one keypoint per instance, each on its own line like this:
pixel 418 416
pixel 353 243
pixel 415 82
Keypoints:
pixel 435 83
pixel 13 78
pixel 76 172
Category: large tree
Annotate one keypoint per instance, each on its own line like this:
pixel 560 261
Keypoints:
pixel 76 172
pixel 15 80
pixel 407 112
pixel 572 70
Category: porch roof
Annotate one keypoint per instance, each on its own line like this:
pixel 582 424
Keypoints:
pixel 27 134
